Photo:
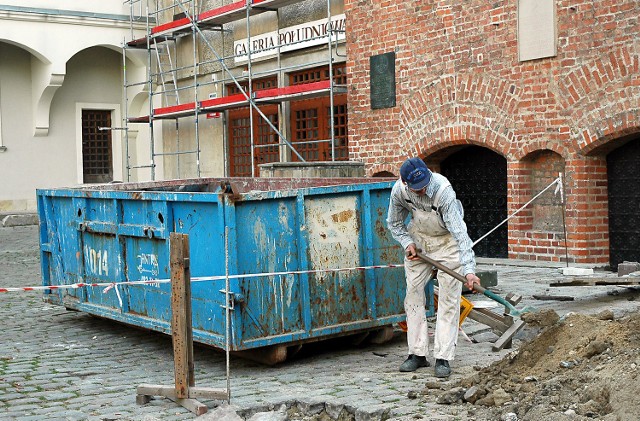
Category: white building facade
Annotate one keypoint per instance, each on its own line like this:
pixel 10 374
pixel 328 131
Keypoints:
pixel 69 100
pixel 61 95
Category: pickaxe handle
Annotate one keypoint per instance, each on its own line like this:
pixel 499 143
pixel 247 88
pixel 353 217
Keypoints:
pixel 477 287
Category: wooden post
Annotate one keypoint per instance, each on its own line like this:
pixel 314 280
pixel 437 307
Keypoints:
pixel 181 329
pixel 184 390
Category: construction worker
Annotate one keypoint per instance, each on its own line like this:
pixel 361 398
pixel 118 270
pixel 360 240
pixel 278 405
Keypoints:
pixel 438 229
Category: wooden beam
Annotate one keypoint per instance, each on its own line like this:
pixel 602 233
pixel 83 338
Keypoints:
pixel 181 330
pixel 505 340
pixel 487 317
pixel 192 405
pixel 595 281
pixel 553 297
pixel 184 390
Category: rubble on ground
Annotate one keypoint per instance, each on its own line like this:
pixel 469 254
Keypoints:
pixel 578 367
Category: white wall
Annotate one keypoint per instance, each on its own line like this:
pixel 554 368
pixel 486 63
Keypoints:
pixel 17 163
pixel 55 59
pixel 93 80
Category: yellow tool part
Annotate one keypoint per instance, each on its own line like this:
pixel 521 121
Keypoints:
pixel 465 307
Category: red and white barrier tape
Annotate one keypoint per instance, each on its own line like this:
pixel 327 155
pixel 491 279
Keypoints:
pixel 110 285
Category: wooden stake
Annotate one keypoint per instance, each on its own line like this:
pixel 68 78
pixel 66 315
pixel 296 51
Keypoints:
pixel 181 331
pixel 184 391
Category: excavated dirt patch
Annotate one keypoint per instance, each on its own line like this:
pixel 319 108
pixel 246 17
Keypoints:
pixel 543 318
pixel 579 368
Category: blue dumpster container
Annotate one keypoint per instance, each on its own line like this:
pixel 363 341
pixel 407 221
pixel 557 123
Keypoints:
pixel 297 230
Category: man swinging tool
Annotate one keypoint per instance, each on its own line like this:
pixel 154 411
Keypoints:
pixel 438 229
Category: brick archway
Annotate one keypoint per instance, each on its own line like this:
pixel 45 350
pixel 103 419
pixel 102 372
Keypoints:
pixel 603 86
pixel 462 109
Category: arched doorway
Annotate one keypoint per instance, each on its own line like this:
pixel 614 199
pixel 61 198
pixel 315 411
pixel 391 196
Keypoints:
pixel 383 174
pixel 623 173
pixel 479 177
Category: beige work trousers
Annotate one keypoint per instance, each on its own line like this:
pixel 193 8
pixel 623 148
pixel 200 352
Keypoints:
pixel 436 242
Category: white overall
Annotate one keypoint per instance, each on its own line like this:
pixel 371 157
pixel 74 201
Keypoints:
pixel 436 242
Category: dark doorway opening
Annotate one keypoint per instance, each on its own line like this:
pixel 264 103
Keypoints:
pixel 623 173
pixel 479 177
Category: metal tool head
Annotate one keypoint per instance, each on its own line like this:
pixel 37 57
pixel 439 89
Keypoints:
pixel 527 309
pixel 512 309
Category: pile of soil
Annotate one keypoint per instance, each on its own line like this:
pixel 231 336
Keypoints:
pixel 579 367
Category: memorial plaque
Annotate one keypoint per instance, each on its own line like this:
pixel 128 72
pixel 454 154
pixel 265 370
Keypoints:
pixel 537 29
pixel 383 80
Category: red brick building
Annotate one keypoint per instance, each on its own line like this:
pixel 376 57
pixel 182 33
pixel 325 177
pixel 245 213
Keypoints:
pixel 501 127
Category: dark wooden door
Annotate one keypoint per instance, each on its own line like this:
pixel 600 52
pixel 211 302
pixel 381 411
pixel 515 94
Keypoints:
pixel 265 139
pixel 623 172
pixel 479 177
pixel 97 154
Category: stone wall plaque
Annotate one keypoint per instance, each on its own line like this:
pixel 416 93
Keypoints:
pixel 382 87
pixel 537 29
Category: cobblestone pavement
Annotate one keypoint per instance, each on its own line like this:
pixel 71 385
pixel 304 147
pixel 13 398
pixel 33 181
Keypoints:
pixel 63 365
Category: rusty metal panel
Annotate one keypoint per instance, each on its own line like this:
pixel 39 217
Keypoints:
pixel 333 229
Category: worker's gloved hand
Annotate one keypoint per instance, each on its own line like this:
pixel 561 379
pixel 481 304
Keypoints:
pixel 411 252
pixel 472 280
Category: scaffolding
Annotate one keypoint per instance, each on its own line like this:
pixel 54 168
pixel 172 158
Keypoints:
pixel 175 90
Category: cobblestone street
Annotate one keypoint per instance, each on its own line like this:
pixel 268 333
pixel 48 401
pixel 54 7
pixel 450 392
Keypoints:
pixel 63 365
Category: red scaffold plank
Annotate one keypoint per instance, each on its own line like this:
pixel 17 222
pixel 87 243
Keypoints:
pixel 172 26
pixel 221 12
pixel 286 93
pixel 221 15
pixel 272 4
pixel 237 10
pixel 138 43
pixel 223 103
pixel 175 110
pixel 274 93
pixel 143 119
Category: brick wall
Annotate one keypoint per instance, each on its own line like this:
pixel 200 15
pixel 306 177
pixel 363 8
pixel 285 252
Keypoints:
pixel 459 81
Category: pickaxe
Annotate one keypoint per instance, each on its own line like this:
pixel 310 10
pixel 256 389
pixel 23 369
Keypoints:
pixel 479 288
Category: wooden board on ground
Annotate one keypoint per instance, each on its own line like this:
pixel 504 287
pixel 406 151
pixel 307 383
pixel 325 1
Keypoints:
pixel 502 324
pixel 505 340
pixel 548 297
pixel 595 280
